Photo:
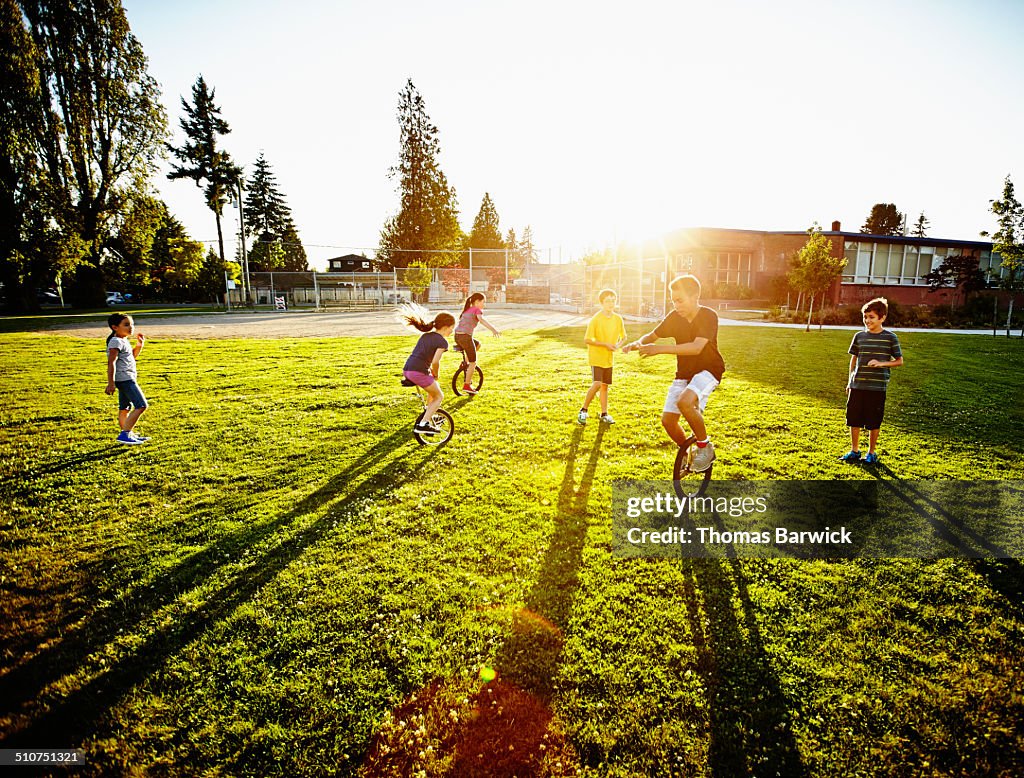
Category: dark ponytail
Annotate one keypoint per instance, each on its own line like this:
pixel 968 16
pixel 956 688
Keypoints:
pixel 473 298
pixel 443 319
pixel 112 321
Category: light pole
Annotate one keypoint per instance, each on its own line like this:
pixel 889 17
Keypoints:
pixel 241 232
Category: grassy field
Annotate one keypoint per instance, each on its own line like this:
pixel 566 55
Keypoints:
pixel 284 583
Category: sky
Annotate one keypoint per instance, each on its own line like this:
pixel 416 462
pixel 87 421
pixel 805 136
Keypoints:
pixel 598 122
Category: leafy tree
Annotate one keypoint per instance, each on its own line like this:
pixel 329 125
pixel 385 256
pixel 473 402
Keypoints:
pixel 417 277
pixel 920 226
pixel 200 159
pixel 816 269
pixel 208 283
pixel 178 259
pixel 23 265
pixel 129 264
pixel 1008 241
pixel 100 130
pixel 426 229
pixel 486 233
pixel 884 219
pixel 959 272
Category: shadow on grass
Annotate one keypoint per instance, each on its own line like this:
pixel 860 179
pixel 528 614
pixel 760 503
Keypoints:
pixel 11 484
pixel 790 364
pixel 751 728
pixel 529 658
pixel 1004 572
pixel 513 712
pixel 81 712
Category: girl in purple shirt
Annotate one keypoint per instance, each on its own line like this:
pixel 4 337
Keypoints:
pixel 472 314
pixel 425 360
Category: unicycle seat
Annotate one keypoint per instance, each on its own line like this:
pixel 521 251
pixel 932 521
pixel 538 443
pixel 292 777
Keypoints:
pixel 458 348
pixel 407 382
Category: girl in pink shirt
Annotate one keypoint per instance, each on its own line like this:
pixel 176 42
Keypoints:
pixel 472 314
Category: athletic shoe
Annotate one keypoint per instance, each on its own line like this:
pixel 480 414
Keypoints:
pixel 467 389
pixel 140 438
pixel 425 429
pixel 871 459
pixel 702 457
pixel 128 440
pixel 607 419
pixel 582 418
pixel 850 457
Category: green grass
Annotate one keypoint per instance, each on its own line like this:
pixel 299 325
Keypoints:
pixel 284 583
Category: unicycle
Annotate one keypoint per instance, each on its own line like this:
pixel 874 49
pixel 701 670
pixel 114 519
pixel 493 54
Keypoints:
pixel 459 378
pixel 441 419
pixel 687 482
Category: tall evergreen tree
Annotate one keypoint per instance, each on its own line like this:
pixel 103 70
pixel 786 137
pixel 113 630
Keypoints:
pixel 486 233
pixel 426 229
pixel 920 226
pixel 101 128
pixel 527 251
pixel 200 159
pixel 268 220
pixel 884 219
pixel 265 208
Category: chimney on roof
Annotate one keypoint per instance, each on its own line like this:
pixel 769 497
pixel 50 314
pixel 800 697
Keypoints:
pixel 835 227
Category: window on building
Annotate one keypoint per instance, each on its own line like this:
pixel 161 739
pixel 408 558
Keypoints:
pixel 731 268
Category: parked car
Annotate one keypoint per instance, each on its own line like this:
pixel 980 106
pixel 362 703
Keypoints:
pixel 115 298
pixel 47 297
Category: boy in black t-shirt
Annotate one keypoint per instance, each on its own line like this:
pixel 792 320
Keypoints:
pixel 699 365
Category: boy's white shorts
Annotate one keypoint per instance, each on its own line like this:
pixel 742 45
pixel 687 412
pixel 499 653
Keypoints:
pixel 702 384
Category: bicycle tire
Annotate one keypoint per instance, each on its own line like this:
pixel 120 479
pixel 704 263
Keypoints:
pixel 441 419
pixel 458 379
pixel 685 481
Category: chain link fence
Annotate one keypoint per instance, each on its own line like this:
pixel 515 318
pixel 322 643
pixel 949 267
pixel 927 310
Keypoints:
pixel 567 287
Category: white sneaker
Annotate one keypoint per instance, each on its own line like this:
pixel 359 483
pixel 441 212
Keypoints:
pixel 607 419
pixel 702 457
pixel 582 418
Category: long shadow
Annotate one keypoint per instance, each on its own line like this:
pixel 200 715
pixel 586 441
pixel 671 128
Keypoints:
pixel 82 711
pixel 8 484
pixel 1004 572
pixel 529 658
pixel 24 682
pixel 751 728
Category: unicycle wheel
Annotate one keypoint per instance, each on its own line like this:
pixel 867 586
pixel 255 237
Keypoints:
pixel 685 481
pixel 459 379
pixel 444 422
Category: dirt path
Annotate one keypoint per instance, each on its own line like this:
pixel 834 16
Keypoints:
pixel 301 324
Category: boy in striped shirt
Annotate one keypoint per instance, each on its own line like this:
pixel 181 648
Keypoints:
pixel 873 352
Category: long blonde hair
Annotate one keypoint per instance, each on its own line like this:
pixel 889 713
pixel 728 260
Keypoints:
pixel 414 315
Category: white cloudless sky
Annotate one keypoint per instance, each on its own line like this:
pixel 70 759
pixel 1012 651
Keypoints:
pixel 594 121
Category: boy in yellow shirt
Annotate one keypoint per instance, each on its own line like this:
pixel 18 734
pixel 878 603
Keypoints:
pixel 605 335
